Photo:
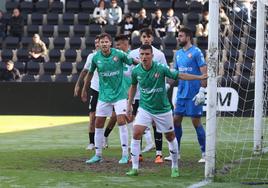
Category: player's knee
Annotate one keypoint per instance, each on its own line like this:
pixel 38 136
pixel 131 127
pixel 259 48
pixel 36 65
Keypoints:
pixel 170 136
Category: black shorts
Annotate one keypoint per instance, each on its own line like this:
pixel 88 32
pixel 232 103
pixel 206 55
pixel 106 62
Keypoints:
pixel 135 107
pixel 93 99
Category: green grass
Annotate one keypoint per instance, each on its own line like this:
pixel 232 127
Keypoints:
pixel 33 147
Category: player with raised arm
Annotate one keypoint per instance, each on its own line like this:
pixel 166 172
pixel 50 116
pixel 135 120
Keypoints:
pixel 146 37
pixel 191 94
pixel 154 105
pixel 109 63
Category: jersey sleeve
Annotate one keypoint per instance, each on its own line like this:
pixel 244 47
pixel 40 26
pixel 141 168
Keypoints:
pixel 88 62
pixel 173 74
pixel 126 58
pixel 134 80
pixel 200 58
pixel 93 65
pixel 175 65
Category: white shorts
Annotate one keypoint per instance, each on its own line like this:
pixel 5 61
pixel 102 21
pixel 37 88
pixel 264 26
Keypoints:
pixel 105 109
pixel 164 122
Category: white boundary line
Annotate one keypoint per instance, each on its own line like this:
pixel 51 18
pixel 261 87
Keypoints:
pixel 200 184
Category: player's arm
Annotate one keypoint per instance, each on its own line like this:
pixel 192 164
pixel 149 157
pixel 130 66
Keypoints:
pixel 79 82
pixel 87 80
pixel 185 76
pixel 131 93
pixel 203 70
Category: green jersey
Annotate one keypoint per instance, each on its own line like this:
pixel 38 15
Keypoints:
pixel 110 69
pixel 153 94
pixel 127 75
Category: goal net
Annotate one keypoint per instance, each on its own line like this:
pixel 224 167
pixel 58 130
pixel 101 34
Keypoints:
pixel 236 157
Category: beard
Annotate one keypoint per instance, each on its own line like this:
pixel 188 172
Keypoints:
pixel 182 44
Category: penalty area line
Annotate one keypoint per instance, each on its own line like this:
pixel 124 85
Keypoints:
pixel 200 184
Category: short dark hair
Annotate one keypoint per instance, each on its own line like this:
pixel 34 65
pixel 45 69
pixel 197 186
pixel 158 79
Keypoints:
pixel 121 37
pixel 9 61
pixel 188 32
pixel 146 47
pixel 103 35
pixel 97 37
pixel 147 31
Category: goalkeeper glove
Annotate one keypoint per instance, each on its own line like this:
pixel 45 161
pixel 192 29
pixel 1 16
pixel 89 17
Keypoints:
pixel 199 98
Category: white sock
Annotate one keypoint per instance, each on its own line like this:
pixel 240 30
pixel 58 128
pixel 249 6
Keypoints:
pixel 135 152
pixel 173 151
pixel 158 152
pixel 99 135
pixel 148 137
pixel 123 132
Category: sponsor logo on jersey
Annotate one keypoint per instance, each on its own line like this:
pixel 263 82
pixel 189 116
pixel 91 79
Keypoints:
pixel 156 75
pixel 115 59
pixel 153 90
pixel 190 55
pixel 108 74
pixel 185 69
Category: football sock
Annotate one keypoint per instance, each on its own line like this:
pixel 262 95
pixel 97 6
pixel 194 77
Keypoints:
pixel 91 137
pixel 158 141
pixel 201 136
pixel 98 140
pixel 135 151
pixel 123 132
pixel 173 151
pixel 107 131
pixel 178 133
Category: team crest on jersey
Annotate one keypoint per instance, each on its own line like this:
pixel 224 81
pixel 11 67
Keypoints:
pixel 115 58
pixel 156 75
pixel 190 55
pixel 98 62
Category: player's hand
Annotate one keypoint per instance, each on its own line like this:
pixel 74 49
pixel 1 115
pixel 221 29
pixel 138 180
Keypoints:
pixel 199 98
pixel 129 111
pixel 76 90
pixel 84 95
pixel 204 76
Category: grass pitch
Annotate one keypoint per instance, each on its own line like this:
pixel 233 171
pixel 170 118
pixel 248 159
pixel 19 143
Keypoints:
pixel 49 151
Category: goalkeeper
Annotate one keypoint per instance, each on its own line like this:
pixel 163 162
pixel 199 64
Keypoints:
pixel 191 94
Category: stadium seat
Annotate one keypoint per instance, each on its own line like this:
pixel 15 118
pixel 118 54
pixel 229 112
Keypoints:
pixel 63 30
pixel 251 42
pixel 134 6
pixel 26 7
pixel 87 6
pixel 1 43
pixel 33 68
pixel 72 6
pixel 79 30
pixel 202 43
pixel 111 29
pixel 164 6
pixel 2 66
pixel 196 6
pixel 181 6
pixel 28 78
pixel 94 29
pixel 84 53
pixel 75 42
pixel 169 54
pixel 61 78
pixel 74 78
pixel 59 43
pixel 68 18
pixel 70 55
pixel 49 68
pixel 52 18
pixel 83 18
pixel 249 55
pixel 80 66
pixel 11 42
pixel 20 66
pixel 46 41
pixel 42 6
pixel 23 55
pixel 6 54
pixel 32 29
pixel 56 7
pixel 66 68
pixel 10 5
pixel 170 42
pixel 54 55
pixel 135 42
pixel 45 78
pixel 90 42
pixel 37 18
pixel 157 42
pixel 192 18
pixel 149 6
pixel 48 30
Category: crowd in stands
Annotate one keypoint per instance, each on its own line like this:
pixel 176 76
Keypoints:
pixel 58 35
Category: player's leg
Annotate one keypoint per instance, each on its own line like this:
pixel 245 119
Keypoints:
pixel 149 141
pixel 195 112
pixel 102 111
pixel 93 99
pixel 158 138
pixel 108 129
pixel 179 112
pixel 142 120
pixel 120 110
pixel 164 124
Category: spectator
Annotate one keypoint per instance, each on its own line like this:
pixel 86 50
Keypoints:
pixel 16 24
pixel 202 28
pixel 37 49
pixel 224 23
pixel 245 7
pixel 10 73
pixel 114 13
pixel 172 23
pixel 126 26
pixel 100 13
pixel 141 21
pixel 2 25
pixel 158 24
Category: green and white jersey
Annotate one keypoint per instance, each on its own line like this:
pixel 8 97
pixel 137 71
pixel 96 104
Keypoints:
pixel 153 95
pixel 110 69
pixel 127 75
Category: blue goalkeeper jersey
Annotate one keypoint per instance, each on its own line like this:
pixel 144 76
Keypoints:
pixel 189 61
